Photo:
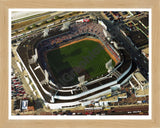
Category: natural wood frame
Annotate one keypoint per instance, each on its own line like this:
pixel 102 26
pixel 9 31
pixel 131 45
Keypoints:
pixel 6 4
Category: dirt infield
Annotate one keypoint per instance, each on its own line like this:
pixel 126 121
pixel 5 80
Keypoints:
pixel 96 40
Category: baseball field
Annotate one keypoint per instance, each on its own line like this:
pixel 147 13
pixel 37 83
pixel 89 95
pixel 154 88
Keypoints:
pixel 85 57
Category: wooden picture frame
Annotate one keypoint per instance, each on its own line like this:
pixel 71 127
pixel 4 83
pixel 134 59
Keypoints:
pixel 4 41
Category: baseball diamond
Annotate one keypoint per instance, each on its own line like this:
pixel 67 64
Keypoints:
pixel 86 57
pixel 70 65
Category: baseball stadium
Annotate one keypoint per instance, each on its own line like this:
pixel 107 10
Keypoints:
pixel 74 62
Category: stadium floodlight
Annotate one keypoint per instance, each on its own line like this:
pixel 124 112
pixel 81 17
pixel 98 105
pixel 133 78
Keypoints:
pixel 81 80
pixel 46 76
pixel 50 83
pixel 52 99
pixel 34 57
pixel 116 45
pixel 103 25
pixel 45 32
pixel 65 26
pixel 109 65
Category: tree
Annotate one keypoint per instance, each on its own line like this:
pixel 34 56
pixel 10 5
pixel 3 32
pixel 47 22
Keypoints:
pixel 50 20
pixel 27 28
pixel 44 22
pixel 56 17
pixel 34 25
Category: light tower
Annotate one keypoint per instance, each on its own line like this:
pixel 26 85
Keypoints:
pixel 46 76
pixel 65 26
pixel 34 57
pixel 45 32
pixel 81 85
pixel 109 65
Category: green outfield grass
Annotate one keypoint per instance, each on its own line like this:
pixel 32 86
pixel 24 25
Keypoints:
pixel 83 58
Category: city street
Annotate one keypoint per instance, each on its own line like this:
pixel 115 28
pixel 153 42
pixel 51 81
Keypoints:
pixel 136 55
pixel 124 41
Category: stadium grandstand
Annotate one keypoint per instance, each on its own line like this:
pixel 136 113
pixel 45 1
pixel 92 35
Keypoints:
pixel 33 51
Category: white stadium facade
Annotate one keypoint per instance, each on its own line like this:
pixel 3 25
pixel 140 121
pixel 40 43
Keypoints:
pixel 55 96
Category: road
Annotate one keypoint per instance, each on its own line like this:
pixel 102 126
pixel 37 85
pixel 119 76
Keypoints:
pixel 137 56
pixel 41 28
pixel 22 19
pixel 60 14
pixel 20 74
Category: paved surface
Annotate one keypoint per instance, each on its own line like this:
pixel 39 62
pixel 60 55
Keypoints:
pixel 53 15
pixel 41 28
pixel 21 74
pixel 137 56
pixel 20 19
pixel 127 44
